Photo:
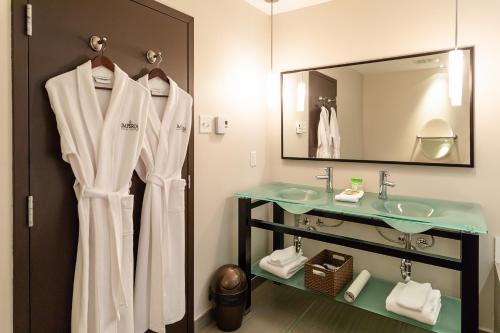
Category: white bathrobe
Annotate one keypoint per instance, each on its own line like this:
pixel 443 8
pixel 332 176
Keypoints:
pixel 160 275
pixel 334 134
pixel 102 145
pixel 324 137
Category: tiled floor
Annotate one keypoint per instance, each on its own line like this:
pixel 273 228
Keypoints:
pixel 280 309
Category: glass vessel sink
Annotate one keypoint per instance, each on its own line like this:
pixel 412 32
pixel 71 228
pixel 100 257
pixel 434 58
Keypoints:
pixel 299 194
pixel 405 208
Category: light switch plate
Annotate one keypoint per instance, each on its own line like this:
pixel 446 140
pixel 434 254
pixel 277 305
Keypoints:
pixel 300 127
pixel 206 124
pixel 253 159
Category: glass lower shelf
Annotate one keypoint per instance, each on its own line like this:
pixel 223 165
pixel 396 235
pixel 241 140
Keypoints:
pixel 373 299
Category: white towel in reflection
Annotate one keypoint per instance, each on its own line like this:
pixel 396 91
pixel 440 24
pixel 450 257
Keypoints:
pixel 284 272
pixel 414 295
pixel 429 313
pixel 284 257
pixel 324 138
pixel 334 134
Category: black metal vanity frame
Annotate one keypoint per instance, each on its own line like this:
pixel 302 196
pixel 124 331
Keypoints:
pixel 468 264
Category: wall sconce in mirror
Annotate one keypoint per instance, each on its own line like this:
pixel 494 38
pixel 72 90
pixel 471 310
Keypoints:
pixel 301 96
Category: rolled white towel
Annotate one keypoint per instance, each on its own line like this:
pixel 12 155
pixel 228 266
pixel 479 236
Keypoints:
pixel 284 272
pixel 284 257
pixel 350 196
pixel 414 295
pixel 357 286
pixel 429 313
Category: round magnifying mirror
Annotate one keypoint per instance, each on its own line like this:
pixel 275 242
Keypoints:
pixel 437 139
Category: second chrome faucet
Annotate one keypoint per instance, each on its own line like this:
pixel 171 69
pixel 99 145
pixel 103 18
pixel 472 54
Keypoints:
pixel 383 183
pixel 329 179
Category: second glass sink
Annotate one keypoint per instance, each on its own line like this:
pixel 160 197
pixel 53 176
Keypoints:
pixel 411 209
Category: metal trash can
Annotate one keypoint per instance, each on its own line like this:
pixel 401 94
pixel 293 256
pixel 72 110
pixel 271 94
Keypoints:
pixel 228 291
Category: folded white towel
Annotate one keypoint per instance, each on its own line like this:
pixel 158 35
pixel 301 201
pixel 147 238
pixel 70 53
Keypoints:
pixel 286 271
pixel 429 313
pixel 350 196
pixel 414 295
pixel 284 257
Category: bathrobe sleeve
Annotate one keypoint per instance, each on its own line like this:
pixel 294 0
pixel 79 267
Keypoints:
pixel 58 105
pixel 144 162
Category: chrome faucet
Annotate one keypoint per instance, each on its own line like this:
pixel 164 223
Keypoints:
pixel 329 179
pixel 383 183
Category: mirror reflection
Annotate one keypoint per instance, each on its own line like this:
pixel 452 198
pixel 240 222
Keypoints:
pixel 415 109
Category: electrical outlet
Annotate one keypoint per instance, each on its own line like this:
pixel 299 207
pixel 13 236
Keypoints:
pixel 253 159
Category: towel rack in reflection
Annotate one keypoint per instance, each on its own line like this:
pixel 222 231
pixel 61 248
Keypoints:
pixel 325 100
pixel 454 137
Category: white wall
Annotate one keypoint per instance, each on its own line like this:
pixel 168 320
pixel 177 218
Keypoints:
pixel 361 30
pixel 5 171
pixel 398 105
pixel 231 61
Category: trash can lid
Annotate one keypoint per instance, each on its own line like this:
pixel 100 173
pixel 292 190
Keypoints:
pixel 229 280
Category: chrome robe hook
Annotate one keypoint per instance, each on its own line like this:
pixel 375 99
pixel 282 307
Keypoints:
pixel 98 44
pixel 153 56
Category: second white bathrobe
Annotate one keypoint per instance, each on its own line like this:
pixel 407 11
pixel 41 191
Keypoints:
pixel 334 134
pixel 324 138
pixel 160 272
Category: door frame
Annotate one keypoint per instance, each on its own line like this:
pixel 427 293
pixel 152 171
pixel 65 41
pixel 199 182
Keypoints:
pixel 21 164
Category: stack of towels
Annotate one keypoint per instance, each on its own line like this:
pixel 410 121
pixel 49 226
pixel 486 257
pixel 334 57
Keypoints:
pixel 415 300
pixel 350 196
pixel 283 263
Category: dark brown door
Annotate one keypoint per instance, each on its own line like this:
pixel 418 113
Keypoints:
pixel 61 30
pixel 319 85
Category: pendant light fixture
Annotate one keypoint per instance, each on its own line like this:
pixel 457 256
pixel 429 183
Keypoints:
pixel 456 68
pixel 272 78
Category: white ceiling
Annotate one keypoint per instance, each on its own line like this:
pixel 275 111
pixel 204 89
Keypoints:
pixel 284 5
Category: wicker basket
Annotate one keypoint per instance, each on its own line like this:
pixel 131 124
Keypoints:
pixel 325 280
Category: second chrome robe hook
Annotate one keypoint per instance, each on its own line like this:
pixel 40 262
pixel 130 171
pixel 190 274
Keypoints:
pixel 153 56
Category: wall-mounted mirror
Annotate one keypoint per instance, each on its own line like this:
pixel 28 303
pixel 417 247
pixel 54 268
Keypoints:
pixel 396 110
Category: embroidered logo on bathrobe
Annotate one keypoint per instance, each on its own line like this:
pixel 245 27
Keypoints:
pixel 130 126
pixel 180 127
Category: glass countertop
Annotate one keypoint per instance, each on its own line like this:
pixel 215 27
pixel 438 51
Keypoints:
pixel 404 213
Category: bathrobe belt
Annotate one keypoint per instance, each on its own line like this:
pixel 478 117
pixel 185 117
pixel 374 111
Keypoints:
pixel 158 228
pixel 114 200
